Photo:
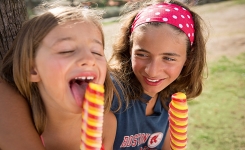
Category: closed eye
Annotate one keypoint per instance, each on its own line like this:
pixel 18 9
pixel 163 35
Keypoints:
pixel 96 53
pixel 66 52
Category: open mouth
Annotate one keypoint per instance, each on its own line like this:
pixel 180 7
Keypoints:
pixel 78 87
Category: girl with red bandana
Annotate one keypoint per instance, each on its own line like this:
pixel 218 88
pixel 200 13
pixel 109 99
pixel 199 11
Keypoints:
pixel 159 51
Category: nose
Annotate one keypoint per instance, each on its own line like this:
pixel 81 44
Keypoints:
pixel 153 68
pixel 86 58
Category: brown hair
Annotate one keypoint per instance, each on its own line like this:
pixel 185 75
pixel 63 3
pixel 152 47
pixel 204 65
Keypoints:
pixel 18 61
pixel 191 76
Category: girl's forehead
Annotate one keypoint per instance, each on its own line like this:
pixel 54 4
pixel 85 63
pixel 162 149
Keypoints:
pixel 158 38
pixel 73 21
pixel 159 30
pixel 81 23
pixel 74 30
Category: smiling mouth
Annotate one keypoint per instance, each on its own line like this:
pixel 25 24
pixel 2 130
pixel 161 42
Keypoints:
pixel 78 87
pixel 152 80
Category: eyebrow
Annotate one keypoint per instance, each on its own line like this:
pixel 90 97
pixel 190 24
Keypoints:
pixel 168 54
pixel 61 40
pixel 69 38
pixel 98 42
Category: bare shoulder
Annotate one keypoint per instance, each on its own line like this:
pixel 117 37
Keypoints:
pixel 16 121
pixel 7 90
pixel 110 122
pixel 109 130
pixel 10 97
pixel 166 144
pixel 109 116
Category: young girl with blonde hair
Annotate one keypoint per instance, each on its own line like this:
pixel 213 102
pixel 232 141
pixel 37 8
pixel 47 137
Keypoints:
pixel 53 58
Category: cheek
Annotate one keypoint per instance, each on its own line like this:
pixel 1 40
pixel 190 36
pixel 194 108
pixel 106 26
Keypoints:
pixel 103 76
pixel 138 67
pixel 135 64
pixel 175 71
pixel 51 70
pixel 103 71
pixel 57 67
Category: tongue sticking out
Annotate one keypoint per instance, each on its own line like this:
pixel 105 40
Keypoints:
pixel 78 91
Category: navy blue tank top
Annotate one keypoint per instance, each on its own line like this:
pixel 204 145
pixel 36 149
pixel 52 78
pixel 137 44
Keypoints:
pixel 135 130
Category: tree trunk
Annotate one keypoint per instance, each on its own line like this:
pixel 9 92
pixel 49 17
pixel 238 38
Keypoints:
pixel 12 15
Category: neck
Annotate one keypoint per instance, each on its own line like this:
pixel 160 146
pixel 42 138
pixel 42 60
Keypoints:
pixel 150 106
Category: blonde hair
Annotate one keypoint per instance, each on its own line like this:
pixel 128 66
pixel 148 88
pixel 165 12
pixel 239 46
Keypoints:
pixel 192 74
pixel 18 61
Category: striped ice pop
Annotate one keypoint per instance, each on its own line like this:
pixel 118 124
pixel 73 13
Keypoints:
pixel 92 117
pixel 178 121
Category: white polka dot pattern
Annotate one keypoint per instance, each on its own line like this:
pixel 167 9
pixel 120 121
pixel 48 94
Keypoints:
pixel 165 19
pixel 168 13
pixel 157 13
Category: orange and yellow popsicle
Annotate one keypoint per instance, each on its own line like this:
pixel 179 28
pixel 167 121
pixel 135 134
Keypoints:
pixel 92 117
pixel 178 121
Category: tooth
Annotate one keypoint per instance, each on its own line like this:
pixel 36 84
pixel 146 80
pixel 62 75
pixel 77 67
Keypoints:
pixel 152 80
pixel 84 78
pixel 90 78
pixel 80 78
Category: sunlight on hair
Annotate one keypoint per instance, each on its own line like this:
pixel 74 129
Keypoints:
pixel 56 10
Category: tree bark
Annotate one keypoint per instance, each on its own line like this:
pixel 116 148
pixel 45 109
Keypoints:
pixel 12 14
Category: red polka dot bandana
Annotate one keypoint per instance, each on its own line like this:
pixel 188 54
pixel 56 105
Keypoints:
pixel 167 13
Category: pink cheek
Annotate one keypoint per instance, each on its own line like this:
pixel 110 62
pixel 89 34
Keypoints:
pixel 174 73
pixel 136 66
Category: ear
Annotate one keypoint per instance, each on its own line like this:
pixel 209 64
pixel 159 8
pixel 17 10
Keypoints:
pixel 34 75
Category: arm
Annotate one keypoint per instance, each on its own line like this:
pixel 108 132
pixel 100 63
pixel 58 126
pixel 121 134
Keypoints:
pixel 109 130
pixel 16 127
pixel 166 144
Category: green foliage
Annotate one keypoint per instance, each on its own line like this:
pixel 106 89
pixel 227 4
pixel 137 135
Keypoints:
pixel 209 1
pixel 112 11
pixel 109 21
pixel 240 1
pixel 217 117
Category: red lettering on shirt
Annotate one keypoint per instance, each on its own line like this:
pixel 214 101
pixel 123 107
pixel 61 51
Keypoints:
pixel 134 140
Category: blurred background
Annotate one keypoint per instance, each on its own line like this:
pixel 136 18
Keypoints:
pixel 112 7
pixel 217 116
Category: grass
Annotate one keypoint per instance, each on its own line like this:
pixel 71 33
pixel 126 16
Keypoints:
pixel 110 21
pixel 240 1
pixel 217 117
